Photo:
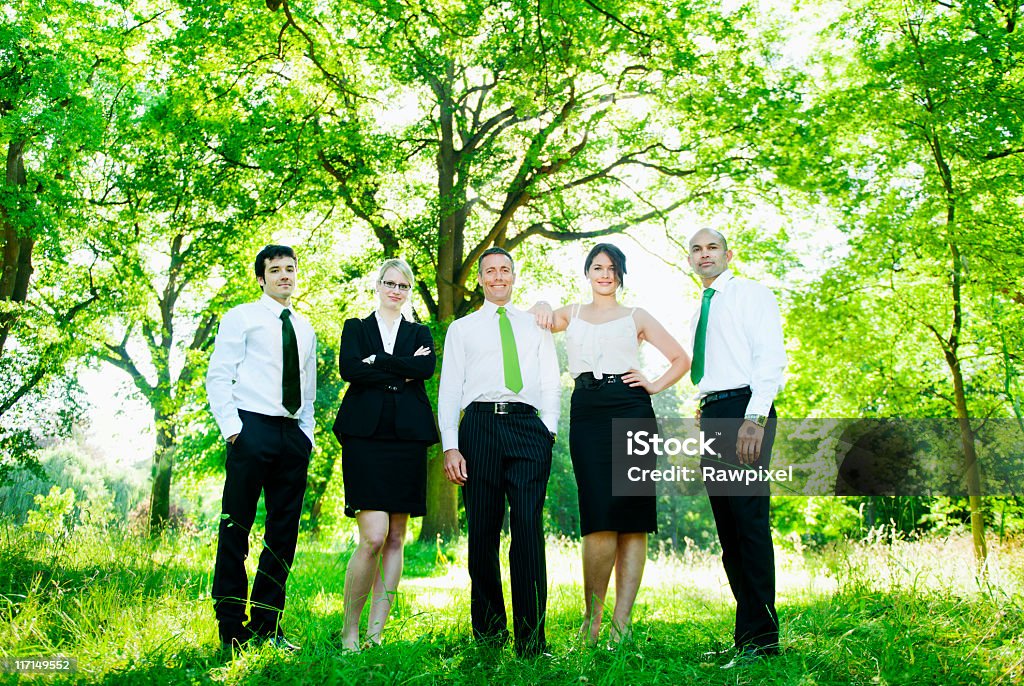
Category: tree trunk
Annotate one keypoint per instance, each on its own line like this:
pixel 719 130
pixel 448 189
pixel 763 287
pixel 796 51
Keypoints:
pixel 971 465
pixel 316 487
pixel 960 396
pixel 16 250
pixel 163 464
pixel 442 518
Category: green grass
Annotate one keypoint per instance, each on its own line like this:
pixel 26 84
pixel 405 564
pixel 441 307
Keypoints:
pixel 133 611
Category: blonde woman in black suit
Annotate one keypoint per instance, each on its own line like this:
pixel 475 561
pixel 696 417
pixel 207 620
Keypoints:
pixel 385 424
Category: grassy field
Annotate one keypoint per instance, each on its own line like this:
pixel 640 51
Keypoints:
pixel 874 612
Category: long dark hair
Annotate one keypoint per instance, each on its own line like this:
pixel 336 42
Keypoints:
pixel 614 254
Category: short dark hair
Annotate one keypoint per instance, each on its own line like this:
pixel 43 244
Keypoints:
pixel 614 254
pixel 272 252
pixel 495 250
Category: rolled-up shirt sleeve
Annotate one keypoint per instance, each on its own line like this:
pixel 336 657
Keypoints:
pixel 768 354
pixel 449 394
pixel 228 353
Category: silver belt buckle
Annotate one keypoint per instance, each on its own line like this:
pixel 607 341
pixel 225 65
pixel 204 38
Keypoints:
pixel 500 408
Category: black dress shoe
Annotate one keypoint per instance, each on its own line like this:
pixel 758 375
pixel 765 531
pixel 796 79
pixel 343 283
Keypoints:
pixel 719 654
pixel 748 655
pixel 281 643
pixel 533 653
pixel 234 637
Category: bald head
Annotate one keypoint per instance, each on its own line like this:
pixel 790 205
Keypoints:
pixel 709 255
pixel 705 234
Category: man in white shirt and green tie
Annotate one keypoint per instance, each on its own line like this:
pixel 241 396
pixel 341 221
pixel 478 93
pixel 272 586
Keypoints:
pixel 739 363
pixel 501 371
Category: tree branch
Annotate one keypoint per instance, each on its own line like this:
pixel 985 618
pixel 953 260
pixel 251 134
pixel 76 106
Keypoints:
pixel 1003 153
pixel 618 21
pixel 539 229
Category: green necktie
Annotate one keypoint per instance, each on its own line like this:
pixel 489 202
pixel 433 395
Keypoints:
pixel 291 391
pixel 509 353
pixel 697 368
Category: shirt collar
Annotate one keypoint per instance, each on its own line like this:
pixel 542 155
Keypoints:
pixel 274 306
pixel 381 322
pixel 491 309
pixel 721 282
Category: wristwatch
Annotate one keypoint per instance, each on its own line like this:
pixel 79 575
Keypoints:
pixel 758 419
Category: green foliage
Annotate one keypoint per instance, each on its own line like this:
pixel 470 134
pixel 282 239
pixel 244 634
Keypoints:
pixel 74 469
pixel 133 610
pixel 815 520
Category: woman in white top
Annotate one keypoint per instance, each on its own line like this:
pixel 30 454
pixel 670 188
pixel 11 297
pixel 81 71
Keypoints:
pixel 603 338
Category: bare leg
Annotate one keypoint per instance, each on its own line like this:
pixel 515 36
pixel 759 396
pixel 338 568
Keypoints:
pixel 362 568
pixel 629 570
pixel 598 558
pixel 386 583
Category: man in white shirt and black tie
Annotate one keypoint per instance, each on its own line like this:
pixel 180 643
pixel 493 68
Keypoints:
pixel 261 385
pixel 502 371
pixel 739 362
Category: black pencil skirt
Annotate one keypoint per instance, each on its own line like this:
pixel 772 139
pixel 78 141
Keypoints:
pixel 594 406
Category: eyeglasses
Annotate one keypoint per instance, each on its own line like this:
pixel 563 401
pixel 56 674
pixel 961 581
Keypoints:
pixel 392 285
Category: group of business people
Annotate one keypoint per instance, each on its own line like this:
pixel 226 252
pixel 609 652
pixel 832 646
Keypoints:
pixel 498 407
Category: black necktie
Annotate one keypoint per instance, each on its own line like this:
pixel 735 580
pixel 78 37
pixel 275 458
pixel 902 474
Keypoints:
pixel 291 392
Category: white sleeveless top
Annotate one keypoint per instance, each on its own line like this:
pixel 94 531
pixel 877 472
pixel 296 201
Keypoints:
pixel 608 348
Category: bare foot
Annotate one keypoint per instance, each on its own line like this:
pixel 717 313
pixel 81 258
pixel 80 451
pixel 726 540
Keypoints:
pixel 349 645
pixel 588 633
pixel 620 635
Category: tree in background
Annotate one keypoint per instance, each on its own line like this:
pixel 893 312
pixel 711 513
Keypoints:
pixel 58 68
pixel 181 194
pixel 450 127
pixel 918 137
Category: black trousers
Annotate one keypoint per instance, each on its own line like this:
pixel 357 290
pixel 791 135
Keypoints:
pixel 744 528
pixel 269 456
pixel 508 457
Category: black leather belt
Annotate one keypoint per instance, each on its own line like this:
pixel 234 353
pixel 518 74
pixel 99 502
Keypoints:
pixel 724 395
pixel 270 419
pixel 501 408
pixel 588 380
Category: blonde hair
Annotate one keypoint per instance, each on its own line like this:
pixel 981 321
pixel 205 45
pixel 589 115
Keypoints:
pixel 399 264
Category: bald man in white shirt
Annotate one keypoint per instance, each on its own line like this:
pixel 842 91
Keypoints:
pixel 501 450
pixel 738 367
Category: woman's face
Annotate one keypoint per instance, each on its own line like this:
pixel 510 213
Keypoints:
pixel 393 289
pixel 602 275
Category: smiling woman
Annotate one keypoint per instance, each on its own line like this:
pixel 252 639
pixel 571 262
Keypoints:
pixel 603 340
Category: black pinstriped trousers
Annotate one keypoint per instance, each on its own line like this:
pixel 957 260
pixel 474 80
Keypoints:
pixel 508 456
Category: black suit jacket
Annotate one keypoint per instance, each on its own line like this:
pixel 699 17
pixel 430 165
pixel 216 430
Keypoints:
pixel 361 407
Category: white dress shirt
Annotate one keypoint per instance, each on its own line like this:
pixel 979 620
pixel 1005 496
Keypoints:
pixel 744 344
pixel 246 366
pixel 387 335
pixel 472 368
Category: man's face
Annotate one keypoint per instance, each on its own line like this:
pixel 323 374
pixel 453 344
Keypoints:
pixel 708 256
pixel 496 277
pixel 279 278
